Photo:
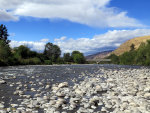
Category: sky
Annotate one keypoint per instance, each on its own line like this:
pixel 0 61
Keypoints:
pixel 89 26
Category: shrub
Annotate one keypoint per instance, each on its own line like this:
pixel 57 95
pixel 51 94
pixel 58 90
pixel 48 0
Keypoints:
pixel 47 62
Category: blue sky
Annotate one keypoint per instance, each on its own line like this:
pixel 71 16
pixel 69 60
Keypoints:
pixel 89 26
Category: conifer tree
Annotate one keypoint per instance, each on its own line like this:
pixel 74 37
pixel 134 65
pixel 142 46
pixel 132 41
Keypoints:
pixel 4 34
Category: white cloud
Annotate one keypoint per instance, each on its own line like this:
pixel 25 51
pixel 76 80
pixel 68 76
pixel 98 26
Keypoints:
pixel 44 40
pixel 36 46
pixel 12 34
pixel 109 40
pixel 89 12
pixel 60 39
pixel 7 16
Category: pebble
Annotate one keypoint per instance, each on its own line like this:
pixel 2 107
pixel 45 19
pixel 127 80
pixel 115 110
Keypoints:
pixel 1 106
pixel 2 81
pixel 64 84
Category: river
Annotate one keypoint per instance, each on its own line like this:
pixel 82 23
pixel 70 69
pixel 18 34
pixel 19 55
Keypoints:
pixel 33 79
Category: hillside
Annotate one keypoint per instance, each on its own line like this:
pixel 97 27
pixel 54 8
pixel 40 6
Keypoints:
pixel 99 55
pixel 126 46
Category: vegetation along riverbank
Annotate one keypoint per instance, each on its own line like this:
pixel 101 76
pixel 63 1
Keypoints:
pixel 22 55
pixel 133 52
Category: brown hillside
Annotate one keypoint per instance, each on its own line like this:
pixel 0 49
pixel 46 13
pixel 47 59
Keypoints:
pixel 99 55
pixel 126 46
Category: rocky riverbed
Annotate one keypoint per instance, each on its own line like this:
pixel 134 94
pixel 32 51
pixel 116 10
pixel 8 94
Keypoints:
pixel 75 89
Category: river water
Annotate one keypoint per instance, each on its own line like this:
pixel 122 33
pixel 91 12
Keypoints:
pixel 48 74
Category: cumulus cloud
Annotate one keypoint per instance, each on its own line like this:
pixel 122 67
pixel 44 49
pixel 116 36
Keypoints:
pixel 89 12
pixel 108 41
pixel 36 46
pixel 6 16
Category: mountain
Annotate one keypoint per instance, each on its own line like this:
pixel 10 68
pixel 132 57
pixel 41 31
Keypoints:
pixel 126 46
pixel 99 55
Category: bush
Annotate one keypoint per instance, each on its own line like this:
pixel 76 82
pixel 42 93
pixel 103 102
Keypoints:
pixel 13 61
pixel 31 61
pixel 114 59
pixel 60 61
pixel 47 62
pixel 34 61
pixel 128 58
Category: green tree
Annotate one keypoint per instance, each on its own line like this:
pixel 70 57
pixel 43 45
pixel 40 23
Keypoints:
pixel 141 54
pixel 67 57
pixel 78 57
pixel 75 52
pixel 5 53
pixel 22 52
pixel 4 34
pixel 52 52
pixel 56 53
pixel 48 51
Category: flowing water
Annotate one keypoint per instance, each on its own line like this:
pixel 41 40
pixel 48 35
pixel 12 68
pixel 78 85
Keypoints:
pixel 48 74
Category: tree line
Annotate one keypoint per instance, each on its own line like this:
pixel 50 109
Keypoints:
pixel 22 55
pixel 140 56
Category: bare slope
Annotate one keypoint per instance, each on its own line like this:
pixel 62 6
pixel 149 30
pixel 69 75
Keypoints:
pixel 126 46
pixel 99 55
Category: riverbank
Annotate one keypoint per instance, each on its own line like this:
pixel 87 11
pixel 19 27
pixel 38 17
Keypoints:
pixel 78 88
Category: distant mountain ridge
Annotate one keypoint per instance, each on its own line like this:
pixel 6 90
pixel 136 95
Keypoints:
pixel 99 55
pixel 125 47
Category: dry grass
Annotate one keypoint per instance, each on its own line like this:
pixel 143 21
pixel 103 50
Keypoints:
pixel 126 46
